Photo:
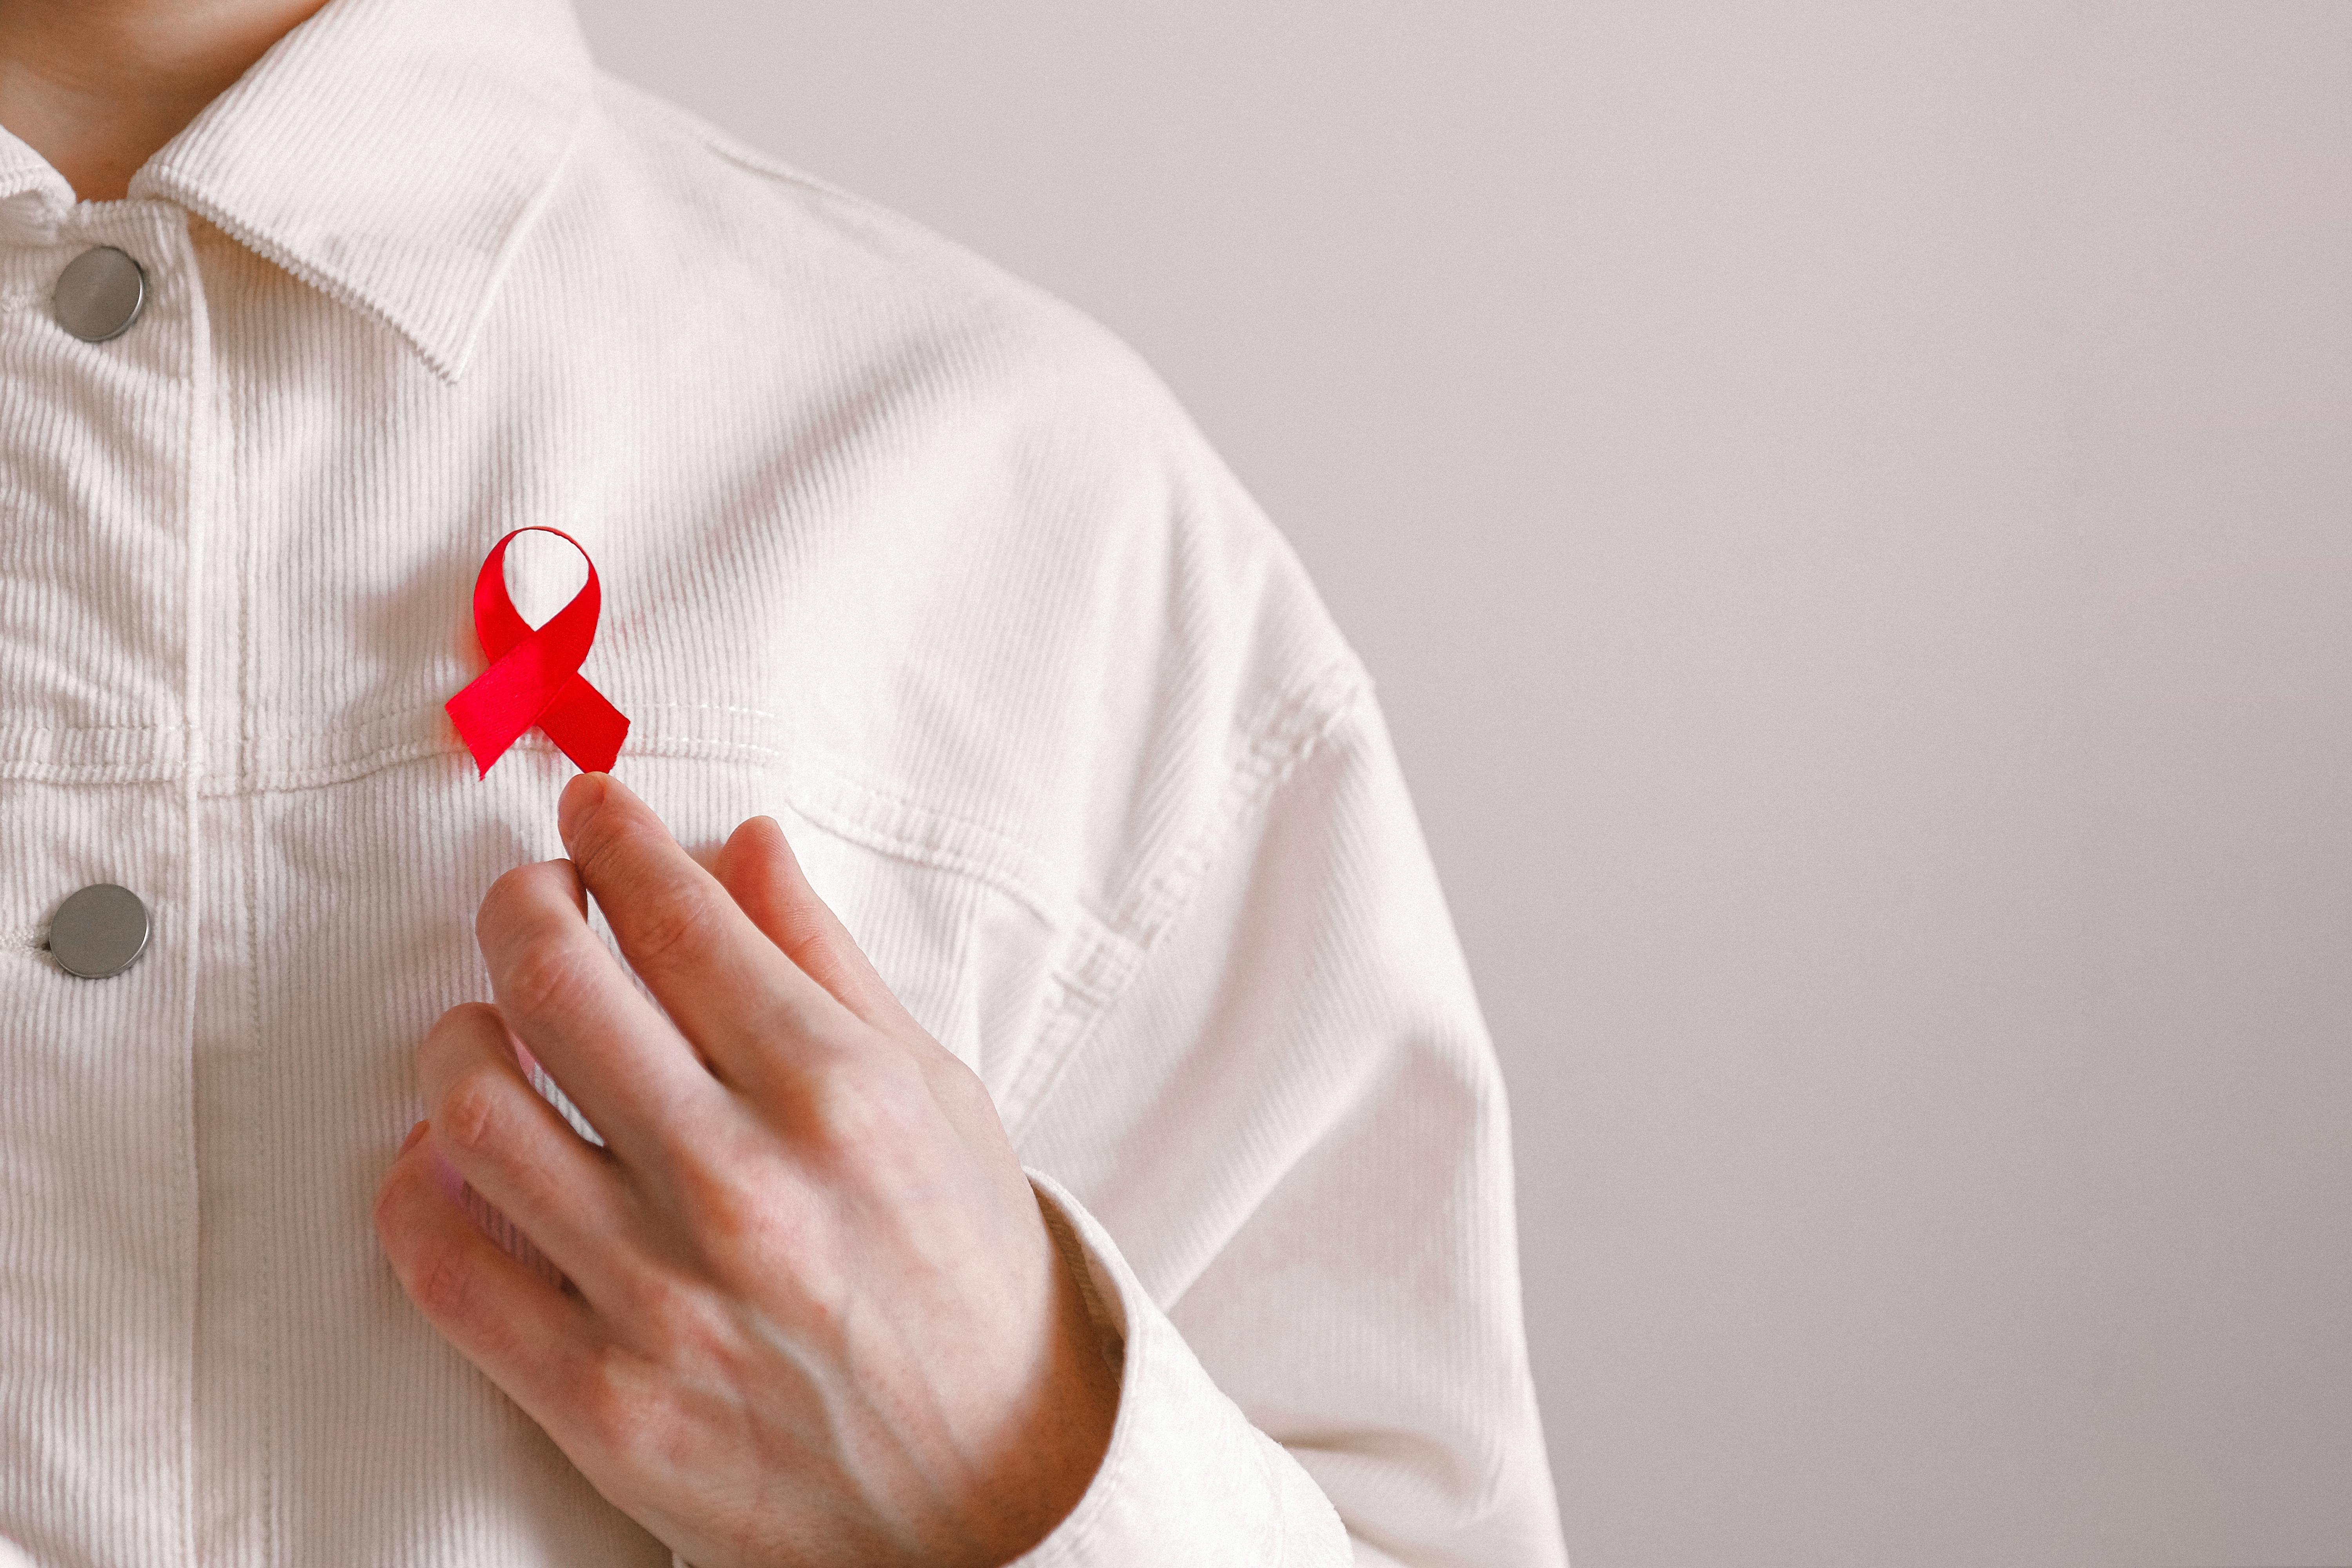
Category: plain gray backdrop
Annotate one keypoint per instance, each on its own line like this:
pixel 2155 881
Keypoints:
pixel 1850 510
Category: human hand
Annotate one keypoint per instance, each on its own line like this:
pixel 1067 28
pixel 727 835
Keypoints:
pixel 812 1312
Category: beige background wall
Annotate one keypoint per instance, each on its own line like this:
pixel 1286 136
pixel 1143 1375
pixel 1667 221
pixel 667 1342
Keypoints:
pixel 1850 507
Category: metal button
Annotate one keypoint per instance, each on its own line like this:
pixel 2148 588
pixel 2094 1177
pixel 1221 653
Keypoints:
pixel 99 931
pixel 100 294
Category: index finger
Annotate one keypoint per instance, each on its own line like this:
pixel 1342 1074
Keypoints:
pixel 728 988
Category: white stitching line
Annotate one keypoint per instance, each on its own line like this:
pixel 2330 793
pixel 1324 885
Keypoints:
pixel 161 772
pixel 936 845
pixel 7 730
pixel 1056 913
pixel 198 500
pixel 287 780
pixel 1299 732
pixel 1296 725
pixel 359 722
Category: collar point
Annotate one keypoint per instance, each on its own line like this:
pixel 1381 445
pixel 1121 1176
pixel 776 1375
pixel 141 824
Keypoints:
pixel 447 367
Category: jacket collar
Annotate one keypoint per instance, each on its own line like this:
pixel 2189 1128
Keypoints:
pixel 389 153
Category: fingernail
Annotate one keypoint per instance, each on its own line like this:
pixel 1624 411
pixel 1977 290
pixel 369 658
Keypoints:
pixel 413 1134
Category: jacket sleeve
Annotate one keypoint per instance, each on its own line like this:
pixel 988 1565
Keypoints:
pixel 1282 1149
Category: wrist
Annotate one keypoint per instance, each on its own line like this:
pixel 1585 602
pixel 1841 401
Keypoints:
pixel 1058 1447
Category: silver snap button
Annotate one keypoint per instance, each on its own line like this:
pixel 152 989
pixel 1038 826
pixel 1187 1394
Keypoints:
pixel 100 294
pixel 98 931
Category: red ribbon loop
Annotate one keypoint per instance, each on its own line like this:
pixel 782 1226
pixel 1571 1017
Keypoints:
pixel 534 675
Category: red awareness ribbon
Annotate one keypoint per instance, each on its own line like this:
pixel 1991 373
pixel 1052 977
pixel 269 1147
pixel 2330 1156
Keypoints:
pixel 534 675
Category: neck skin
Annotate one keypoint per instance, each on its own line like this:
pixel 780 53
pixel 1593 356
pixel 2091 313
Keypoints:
pixel 97 86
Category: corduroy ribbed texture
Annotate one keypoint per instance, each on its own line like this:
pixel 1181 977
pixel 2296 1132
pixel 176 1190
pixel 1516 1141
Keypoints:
pixel 894 549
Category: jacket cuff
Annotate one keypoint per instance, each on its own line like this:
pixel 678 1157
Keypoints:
pixel 1187 1479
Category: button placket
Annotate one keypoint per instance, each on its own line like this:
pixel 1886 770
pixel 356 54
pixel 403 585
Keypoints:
pixel 106 373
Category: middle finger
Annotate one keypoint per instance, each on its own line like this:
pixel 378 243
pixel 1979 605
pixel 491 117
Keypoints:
pixel 760 1017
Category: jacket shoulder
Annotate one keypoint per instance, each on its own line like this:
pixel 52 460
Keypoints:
pixel 1082 605
pixel 883 274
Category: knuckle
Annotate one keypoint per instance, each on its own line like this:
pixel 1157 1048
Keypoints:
pixel 743 1224
pixel 545 976
pixel 779 1016
pixel 959 1091
pixel 441 1284
pixel 474 1108
pixel 607 1399
pixel 672 928
pixel 671 1318
pixel 726 1216
pixel 874 1100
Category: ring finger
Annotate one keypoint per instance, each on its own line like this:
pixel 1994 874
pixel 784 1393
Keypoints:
pixel 516 1149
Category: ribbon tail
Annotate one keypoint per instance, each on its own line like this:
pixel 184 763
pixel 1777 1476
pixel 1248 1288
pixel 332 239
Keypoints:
pixel 486 722
pixel 587 728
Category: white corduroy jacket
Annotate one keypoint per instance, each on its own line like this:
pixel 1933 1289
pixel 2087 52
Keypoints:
pixel 894 549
